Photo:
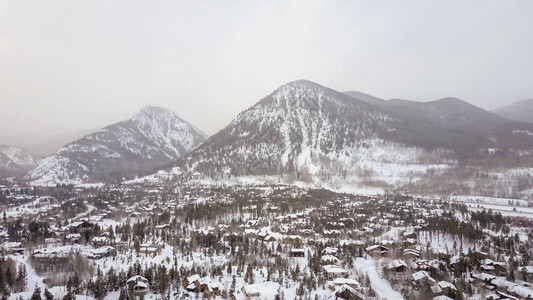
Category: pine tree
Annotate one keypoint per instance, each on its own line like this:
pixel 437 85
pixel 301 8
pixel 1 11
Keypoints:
pixel 48 295
pixel 68 296
pixel 21 280
pixel 229 269
pixel 36 294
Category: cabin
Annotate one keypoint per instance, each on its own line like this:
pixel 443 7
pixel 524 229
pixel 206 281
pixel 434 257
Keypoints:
pixel 354 284
pixel 73 238
pixel 447 287
pixel 378 250
pixel 264 290
pixel 397 265
pixel 192 282
pixel 422 277
pixel 139 284
pixel 99 241
pixel 52 242
pixel 329 260
pixel 333 272
pixel 297 252
pixel 347 292
pixel 330 251
pixel 294 240
pixel 150 248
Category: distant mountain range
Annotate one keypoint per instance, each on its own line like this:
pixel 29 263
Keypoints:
pixel 307 132
pixel 518 111
pixel 301 132
pixel 15 161
pixel 153 137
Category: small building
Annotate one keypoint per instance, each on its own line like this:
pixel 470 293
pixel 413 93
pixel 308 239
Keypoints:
pixel 397 265
pixel 297 252
pixel 99 241
pixel 378 250
pixel 422 277
pixel 329 260
pixel 333 272
pixel 294 240
pixel 139 284
pixel 73 238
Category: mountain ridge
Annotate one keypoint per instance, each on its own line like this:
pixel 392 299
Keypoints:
pixel 306 131
pixel 153 136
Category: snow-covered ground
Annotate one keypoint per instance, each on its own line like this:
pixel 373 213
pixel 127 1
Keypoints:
pixel 379 285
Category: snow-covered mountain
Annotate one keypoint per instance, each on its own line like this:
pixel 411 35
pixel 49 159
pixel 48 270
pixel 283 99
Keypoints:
pixel 8 167
pixel 153 137
pixel 19 156
pixel 15 161
pixel 307 132
pixel 518 111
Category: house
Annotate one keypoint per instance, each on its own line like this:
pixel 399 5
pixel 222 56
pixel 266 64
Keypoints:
pixel 495 268
pixel 422 277
pixel 104 251
pixel 264 290
pixel 297 252
pixel 150 248
pixel 52 242
pixel 51 255
pixel 330 251
pixel 333 272
pixel 294 240
pixel 397 265
pixel 447 287
pixel 251 290
pixel 99 241
pixel 347 292
pixel 139 284
pixel 13 247
pixel 354 284
pixel 73 238
pixel 377 250
pixel 212 289
pixel 483 278
pixel 329 260
pixel 191 280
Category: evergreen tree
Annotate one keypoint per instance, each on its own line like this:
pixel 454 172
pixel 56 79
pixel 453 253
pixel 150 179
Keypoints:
pixel 21 280
pixel 48 295
pixel 36 294
pixel 68 296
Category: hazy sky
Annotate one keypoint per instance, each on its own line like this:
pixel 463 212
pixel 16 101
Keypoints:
pixel 72 66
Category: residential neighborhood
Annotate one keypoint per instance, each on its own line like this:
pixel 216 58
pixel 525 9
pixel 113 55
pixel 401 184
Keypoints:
pixel 257 242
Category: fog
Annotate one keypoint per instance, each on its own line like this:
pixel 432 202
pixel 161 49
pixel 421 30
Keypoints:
pixel 70 67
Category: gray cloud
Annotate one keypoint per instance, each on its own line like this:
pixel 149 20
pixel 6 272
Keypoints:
pixel 68 66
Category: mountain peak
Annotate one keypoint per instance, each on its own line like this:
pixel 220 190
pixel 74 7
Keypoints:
pixel 302 83
pixel 154 136
pixel 519 111
pixel 152 110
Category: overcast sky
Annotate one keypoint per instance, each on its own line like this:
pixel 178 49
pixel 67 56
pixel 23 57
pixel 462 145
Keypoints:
pixel 68 67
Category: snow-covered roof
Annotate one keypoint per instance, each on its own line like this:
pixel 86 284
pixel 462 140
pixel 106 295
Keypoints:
pixel 333 269
pixel 193 278
pixel 421 275
pixel 341 281
pixel 442 297
pixel 446 284
pixel 137 279
pixel 267 289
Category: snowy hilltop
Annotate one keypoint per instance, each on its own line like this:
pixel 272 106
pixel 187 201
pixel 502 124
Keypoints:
pixel 153 137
